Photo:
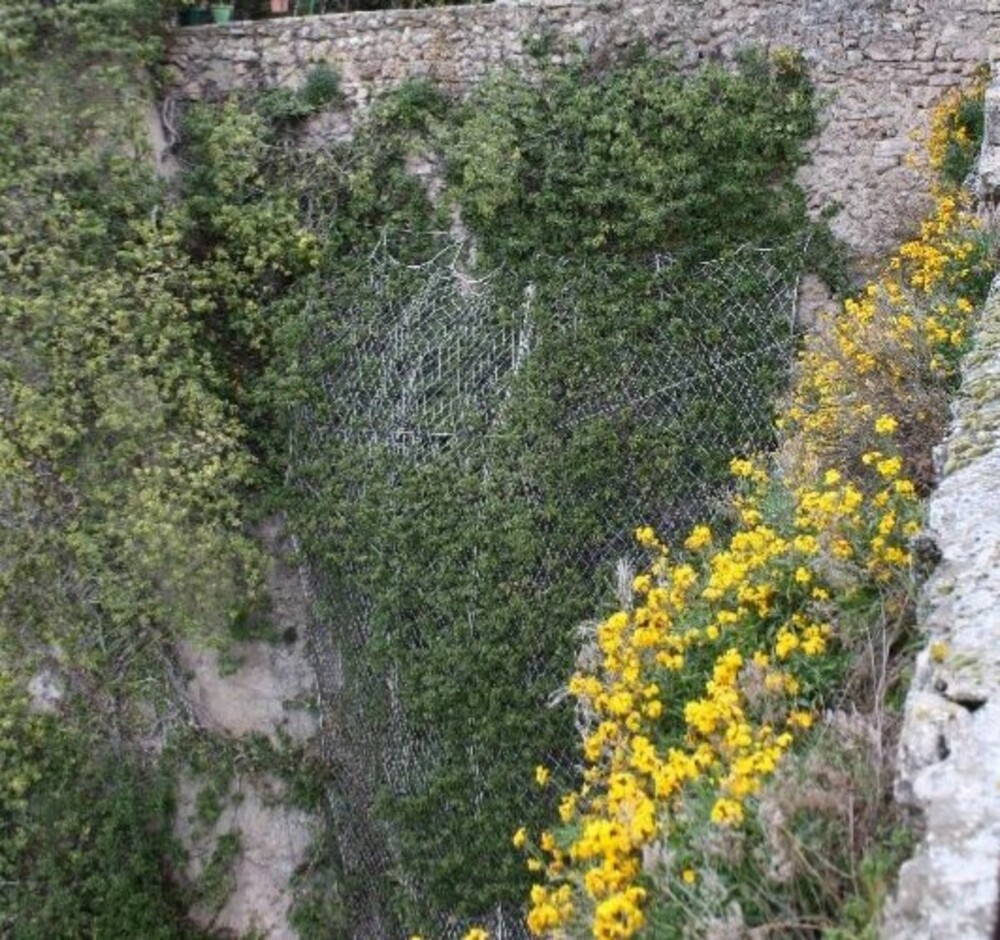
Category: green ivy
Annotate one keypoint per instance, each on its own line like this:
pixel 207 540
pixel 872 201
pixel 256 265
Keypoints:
pixel 84 835
pixel 463 569
pixel 635 159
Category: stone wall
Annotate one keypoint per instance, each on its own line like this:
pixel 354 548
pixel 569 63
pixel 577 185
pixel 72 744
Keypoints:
pixel 950 746
pixel 879 63
pixel 949 755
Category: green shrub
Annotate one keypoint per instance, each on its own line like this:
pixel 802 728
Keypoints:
pixel 121 465
pixel 321 87
pixel 85 835
pixel 636 159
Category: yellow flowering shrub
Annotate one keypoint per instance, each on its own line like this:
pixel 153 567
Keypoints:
pixel 893 349
pixel 732 647
pixel 704 684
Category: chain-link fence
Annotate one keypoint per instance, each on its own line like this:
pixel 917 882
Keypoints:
pixel 422 367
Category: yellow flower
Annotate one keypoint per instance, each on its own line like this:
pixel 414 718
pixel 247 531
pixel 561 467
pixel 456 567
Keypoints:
pixel 646 537
pixel 889 467
pixel 806 544
pixel 886 424
pixel 740 468
pixel 567 807
pixel 813 643
pixel 619 916
pixel 727 812
pixel 519 838
pixel 800 720
pixel 541 775
pixel 841 548
pixel 476 933
pixel 700 536
pixel 642 583
pixel 785 643
pixel 688 876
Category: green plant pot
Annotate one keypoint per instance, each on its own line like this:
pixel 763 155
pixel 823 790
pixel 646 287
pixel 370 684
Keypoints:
pixel 222 13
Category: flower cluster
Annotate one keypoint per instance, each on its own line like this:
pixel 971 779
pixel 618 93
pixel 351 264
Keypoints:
pixel 703 684
pixel 895 346
pixel 706 682
pixel 955 127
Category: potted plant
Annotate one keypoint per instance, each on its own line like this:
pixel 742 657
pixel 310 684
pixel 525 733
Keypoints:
pixel 279 6
pixel 222 12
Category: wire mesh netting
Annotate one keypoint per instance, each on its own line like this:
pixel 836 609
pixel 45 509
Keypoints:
pixel 414 367
pixel 419 377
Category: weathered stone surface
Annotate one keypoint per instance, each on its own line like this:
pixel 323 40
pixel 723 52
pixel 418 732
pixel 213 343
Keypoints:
pixel 949 766
pixel 878 63
pixel 273 838
pixel 273 688
pixel 271 693
pixel 989 163
pixel 254 698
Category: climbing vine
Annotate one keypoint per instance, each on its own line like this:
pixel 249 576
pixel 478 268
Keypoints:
pixel 455 566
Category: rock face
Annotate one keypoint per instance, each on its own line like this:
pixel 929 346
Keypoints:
pixel 989 163
pixel 879 65
pixel 272 840
pixel 950 747
pixel 270 691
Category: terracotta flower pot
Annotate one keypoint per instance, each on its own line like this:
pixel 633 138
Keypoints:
pixel 279 6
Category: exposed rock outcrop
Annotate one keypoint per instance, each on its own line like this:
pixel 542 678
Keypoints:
pixel 950 747
pixel 269 690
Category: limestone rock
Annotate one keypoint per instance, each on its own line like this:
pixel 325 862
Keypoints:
pixel 949 767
